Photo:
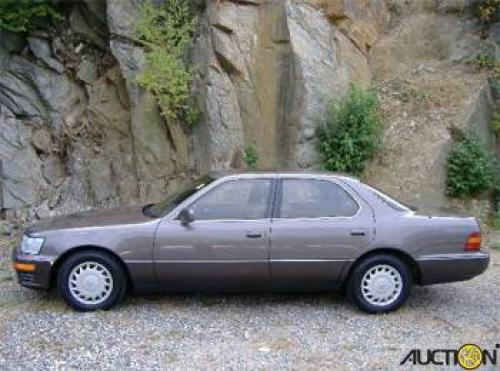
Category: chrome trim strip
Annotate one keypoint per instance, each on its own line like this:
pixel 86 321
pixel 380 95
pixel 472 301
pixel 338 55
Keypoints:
pixel 456 256
pixel 225 220
pixel 218 261
pixel 308 260
pixel 326 218
pixel 168 261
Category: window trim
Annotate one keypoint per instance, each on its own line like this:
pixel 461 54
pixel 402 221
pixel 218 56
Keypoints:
pixel 387 200
pixel 279 198
pixel 269 202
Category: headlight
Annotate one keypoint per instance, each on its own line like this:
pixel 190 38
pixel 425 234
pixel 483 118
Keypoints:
pixel 32 245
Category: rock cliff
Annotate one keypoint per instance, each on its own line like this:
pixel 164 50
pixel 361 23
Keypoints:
pixel 76 130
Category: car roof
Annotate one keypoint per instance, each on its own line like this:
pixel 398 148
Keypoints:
pixel 281 173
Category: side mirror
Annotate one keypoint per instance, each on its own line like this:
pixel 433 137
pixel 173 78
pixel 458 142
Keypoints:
pixel 186 216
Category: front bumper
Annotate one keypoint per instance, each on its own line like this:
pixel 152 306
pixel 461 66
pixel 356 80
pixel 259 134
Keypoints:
pixel 442 268
pixel 40 277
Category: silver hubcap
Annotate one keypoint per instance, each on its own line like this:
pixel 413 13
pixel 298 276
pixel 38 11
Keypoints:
pixel 381 285
pixel 90 283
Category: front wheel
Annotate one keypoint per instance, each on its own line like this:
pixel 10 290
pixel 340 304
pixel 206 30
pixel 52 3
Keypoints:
pixel 380 284
pixel 91 280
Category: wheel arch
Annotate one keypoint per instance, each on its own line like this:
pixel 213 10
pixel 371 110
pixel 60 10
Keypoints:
pixel 404 256
pixel 60 260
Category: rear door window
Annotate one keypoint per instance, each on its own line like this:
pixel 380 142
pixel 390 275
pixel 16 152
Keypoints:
pixel 314 198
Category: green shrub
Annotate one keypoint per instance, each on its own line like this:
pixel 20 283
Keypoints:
pixel 27 15
pixel 349 135
pixel 251 157
pixel 166 32
pixel 469 169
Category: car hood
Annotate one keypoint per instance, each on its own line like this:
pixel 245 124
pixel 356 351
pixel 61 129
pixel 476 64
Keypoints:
pixel 103 218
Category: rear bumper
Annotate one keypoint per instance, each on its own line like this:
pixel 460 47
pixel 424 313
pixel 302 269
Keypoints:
pixel 40 277
pixel 442 268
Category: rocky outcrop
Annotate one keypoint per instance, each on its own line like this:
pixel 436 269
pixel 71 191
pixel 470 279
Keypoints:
pixel 76 130
pixel 65 141
pixel 429 88
pixel 159 148
pixel 271 68
pixel 328 56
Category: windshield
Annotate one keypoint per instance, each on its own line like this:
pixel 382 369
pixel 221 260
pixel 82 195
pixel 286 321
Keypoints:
pixel 399 206
pixel 168 204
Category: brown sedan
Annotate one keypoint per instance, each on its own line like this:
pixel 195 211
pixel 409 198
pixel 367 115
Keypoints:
pixel 260 231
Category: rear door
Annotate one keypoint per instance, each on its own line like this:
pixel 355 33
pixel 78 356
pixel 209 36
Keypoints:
pixel 226 246
pixel 317 227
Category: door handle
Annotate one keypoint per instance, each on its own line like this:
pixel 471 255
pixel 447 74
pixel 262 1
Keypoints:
pixel 254 234
pixel 358 232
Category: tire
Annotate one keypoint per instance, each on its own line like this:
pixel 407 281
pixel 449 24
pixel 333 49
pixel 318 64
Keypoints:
pixel 98 281
pixel 379 284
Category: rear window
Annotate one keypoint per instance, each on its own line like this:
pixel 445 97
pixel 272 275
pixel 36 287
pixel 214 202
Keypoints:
pixel 398 206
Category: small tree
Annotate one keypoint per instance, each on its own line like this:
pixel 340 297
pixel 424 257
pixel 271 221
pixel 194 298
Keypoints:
pixel 349 135
pixel 166 31
pixel 469 169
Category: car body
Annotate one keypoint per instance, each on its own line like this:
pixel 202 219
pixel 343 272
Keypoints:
pixel 285 231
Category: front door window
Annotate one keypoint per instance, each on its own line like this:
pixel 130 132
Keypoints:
pixel 241 199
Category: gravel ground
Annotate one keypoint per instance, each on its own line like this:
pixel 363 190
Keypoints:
pixel 38 331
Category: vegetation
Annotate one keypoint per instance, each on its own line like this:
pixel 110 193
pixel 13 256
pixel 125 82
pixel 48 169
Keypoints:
pixel 495 123
pixel 411 93
pixel 166 32
pixel 488 11
pixel 496 199
pixel 491 65
pixel 495 221
pixel 349 135
pixel 251 157
pixel 487 63
pixel 469 169
pixel 27 15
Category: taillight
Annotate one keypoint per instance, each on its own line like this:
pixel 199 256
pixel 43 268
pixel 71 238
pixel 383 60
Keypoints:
pixel 473 242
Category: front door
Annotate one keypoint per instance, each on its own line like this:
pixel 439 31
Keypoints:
pixel 317 227
pixel 226 246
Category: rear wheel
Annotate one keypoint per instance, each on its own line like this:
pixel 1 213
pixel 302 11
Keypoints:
pixel 91 280
pixel 380 284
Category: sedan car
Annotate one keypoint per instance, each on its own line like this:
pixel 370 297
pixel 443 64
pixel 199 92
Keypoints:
pixel 253 231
